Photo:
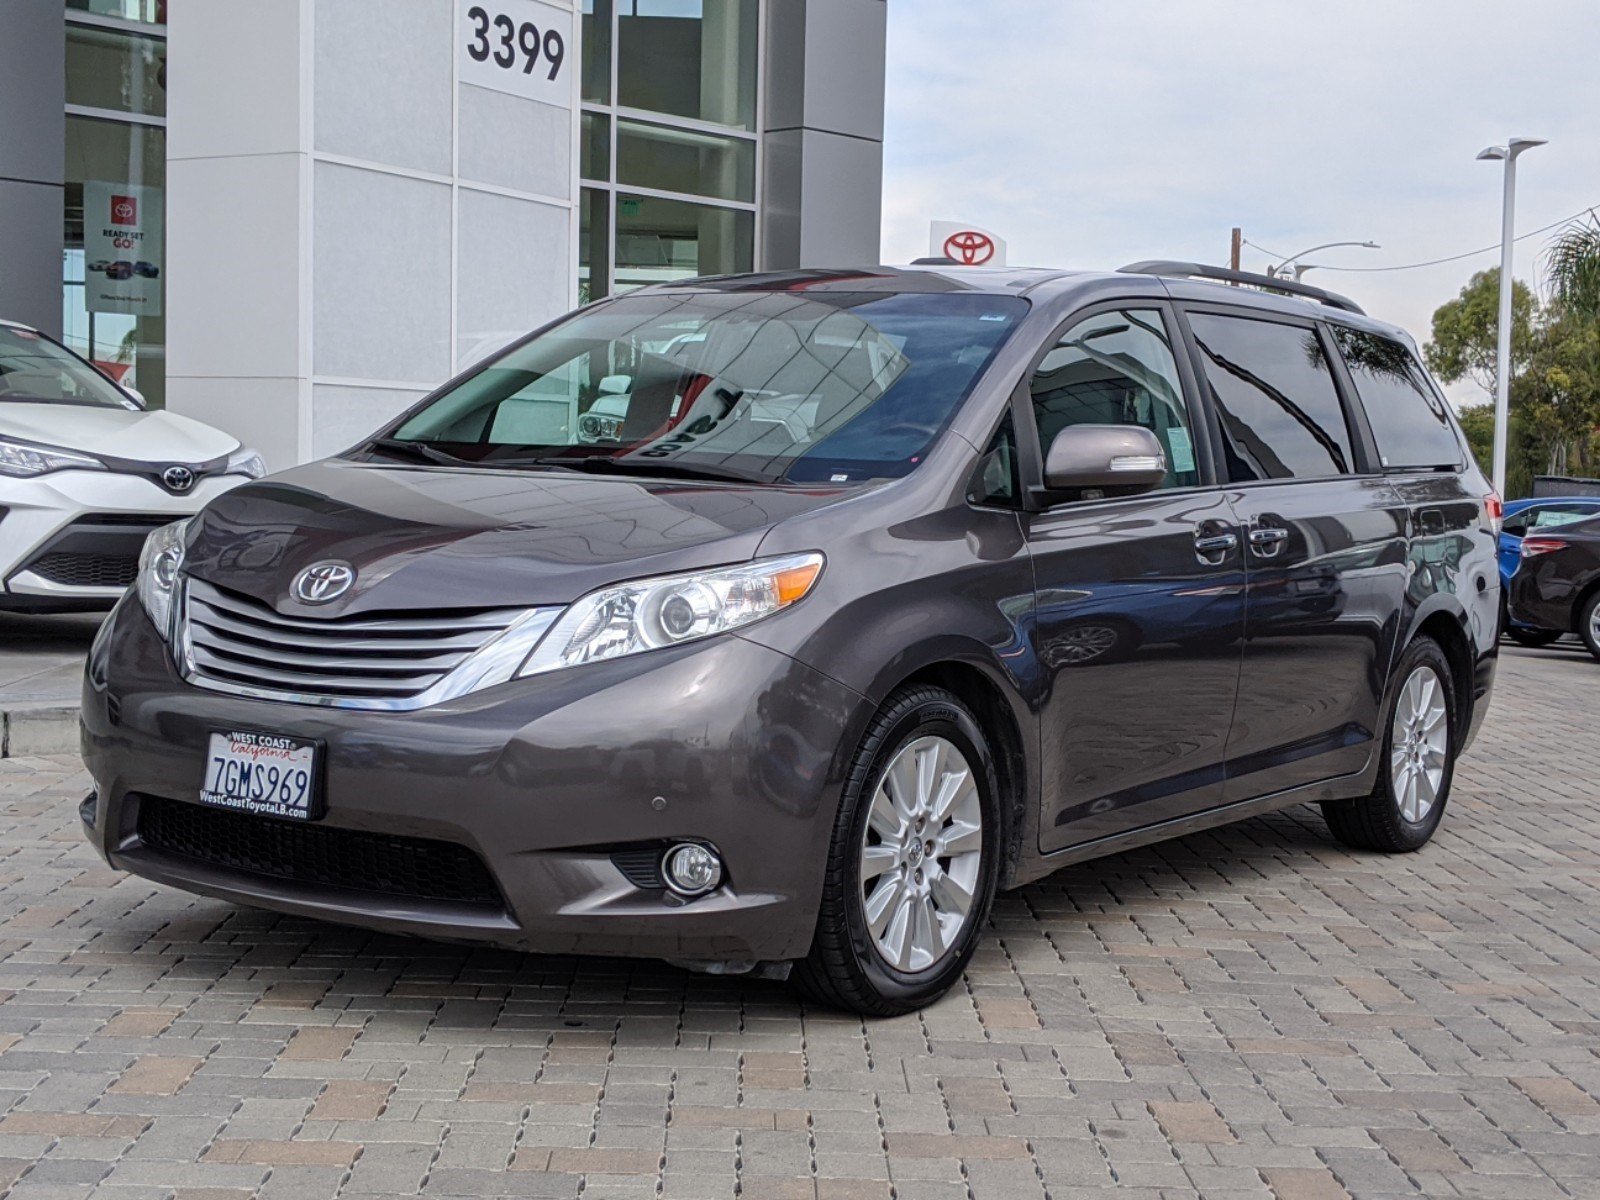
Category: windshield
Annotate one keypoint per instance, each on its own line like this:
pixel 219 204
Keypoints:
pixel 35 370
pixel 766 386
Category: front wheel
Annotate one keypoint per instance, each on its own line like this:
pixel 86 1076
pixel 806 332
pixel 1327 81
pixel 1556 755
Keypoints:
pixel 912 863
pixel 1419 756
pixel 1589 625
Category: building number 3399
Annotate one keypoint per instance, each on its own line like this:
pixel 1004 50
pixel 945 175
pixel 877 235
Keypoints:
pixel 515 45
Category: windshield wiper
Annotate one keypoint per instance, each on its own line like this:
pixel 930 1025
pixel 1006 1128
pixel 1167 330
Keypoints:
pixel 602 465
pixel 418 450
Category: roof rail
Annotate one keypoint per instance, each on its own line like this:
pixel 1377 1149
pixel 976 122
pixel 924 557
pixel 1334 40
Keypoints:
pixel 1289 287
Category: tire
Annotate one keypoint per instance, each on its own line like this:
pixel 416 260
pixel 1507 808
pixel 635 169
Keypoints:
pixel 876 845
pixel 1589 624
pixel 1417 736
pixel 1533 639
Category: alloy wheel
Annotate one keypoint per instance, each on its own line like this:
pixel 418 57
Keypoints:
pixel 921 854
pixel 1419 743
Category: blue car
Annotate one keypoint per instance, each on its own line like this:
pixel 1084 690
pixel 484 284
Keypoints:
pixel 1522 517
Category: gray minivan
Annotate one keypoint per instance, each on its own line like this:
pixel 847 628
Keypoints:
pixel 776 621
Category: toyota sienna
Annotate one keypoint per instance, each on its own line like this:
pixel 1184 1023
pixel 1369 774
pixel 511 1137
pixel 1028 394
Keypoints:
pixel 775 622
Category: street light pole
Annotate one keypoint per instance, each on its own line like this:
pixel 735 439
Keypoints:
pixel 1502 369
pixel 1292 262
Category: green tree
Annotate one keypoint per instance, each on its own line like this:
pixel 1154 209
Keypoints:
pixel 1572 268
pixel 1464 344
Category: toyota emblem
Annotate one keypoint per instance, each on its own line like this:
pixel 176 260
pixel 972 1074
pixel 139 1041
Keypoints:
pixel 969 247
pixel 178 479
pixel 323 581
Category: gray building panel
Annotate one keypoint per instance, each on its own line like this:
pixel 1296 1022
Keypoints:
pixel 32 148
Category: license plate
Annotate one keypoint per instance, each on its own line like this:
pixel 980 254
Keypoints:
pixel 263 773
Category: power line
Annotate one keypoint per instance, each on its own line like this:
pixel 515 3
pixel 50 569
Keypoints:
pixel 1434 262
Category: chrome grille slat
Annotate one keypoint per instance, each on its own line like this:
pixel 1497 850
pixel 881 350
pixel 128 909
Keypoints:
pixel 492 620
pixel 214 618
pixel 235 643
pixel 249 673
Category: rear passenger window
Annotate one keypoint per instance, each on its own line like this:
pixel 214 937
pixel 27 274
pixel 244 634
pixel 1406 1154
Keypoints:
pixel 1407 416
pixel 1117 368
pixel 1275 399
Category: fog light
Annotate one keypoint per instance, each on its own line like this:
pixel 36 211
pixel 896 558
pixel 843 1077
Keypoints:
pixel 691 869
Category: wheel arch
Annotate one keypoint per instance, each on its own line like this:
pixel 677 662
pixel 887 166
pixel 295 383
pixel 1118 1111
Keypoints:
pixel 1448 628
pixel 1002 714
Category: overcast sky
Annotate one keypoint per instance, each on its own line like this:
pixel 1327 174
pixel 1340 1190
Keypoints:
pixel 1091 134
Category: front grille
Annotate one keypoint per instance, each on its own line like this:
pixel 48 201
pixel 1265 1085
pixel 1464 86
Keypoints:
pixel 144 521
pixel 86 570
pixel 238 641
pixel 322 855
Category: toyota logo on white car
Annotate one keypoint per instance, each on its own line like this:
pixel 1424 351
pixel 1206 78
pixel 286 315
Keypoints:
pixel 323 581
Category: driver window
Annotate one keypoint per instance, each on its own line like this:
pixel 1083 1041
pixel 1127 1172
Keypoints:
pixel 1117 368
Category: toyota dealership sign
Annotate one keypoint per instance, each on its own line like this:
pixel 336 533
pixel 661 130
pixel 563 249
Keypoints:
pixel 966 245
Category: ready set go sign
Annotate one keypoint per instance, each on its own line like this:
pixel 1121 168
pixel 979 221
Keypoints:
pixel 122 252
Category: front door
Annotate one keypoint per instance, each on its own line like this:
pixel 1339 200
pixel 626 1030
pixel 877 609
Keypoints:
pixel 1325 555
pixel 1139 599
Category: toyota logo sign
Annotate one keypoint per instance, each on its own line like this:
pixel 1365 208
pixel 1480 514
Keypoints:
pixel 178 479
pixel 969 247
pixel 323 581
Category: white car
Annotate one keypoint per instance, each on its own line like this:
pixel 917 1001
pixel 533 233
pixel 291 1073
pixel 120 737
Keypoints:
pixel 86 472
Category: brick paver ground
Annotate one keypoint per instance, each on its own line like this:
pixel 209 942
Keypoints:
pixel 1247 1013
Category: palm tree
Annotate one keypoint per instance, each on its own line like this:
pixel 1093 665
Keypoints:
pixel 1572 267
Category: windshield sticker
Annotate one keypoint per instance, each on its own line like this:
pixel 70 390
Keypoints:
pixel 1182 450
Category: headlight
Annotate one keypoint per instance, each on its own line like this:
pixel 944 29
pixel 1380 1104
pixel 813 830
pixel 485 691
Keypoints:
pixel 670 609
pixel 245 461
pixel 20 459
pixel 159 563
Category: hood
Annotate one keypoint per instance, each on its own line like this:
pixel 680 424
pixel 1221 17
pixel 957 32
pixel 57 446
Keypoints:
pixel 425 537
pixel 152 437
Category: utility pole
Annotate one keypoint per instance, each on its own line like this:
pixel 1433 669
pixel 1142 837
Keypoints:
pixel 1236 249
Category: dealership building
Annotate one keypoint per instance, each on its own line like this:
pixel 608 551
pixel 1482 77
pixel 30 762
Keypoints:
pixel 324 208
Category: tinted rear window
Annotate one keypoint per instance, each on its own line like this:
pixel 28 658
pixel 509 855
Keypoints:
pixel 1407 416
pixel 1275 399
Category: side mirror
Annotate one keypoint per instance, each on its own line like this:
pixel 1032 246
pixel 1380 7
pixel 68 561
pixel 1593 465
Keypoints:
pixel 1128 458
pixel 135 393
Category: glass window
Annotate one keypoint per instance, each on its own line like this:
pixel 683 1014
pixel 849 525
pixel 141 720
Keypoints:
pixel 114 277
pixel 122 71
pixel 689 58
pixel 594 147
pixel 1117 368
pixel 597 51
pixel 686 160
pixel 833 387
pixel 1407 416
pixel 996 481
pixel 661 240
pixel 148 12
pixel 34 370
pixel 1275 399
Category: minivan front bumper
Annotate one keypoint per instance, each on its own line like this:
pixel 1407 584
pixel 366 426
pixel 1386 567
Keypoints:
pixel 560 785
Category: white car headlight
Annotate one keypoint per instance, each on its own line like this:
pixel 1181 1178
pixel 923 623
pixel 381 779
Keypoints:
pixel 245 461
pixel 20 459
pixel 159 563
pixel 648 614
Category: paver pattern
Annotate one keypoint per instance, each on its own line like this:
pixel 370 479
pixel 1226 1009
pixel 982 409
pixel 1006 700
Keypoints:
pixel 1252 1012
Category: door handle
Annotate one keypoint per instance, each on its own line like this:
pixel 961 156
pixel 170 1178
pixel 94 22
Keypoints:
pixel 1267 540
pixel 1211 548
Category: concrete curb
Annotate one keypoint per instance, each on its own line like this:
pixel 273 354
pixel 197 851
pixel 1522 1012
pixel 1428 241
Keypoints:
pixel 38 729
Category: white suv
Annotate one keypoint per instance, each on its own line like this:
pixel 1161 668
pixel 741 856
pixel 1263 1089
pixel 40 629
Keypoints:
pixel 86 472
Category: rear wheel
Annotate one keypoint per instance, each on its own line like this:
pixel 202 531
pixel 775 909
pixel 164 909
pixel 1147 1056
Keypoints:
pixel 912 863
pixel 1589 624
pixel 1408 799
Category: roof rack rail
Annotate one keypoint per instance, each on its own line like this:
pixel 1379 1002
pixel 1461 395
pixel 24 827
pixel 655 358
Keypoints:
pixel 1289 287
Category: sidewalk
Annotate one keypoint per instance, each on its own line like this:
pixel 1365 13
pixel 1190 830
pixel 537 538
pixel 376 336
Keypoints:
pixel 41 664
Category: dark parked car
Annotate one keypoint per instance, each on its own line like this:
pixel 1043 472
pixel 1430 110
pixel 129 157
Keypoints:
pixel 1536 515
pixel 877 590
pixel 1557 587
pixel 120 269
